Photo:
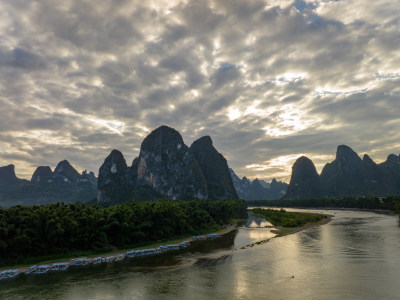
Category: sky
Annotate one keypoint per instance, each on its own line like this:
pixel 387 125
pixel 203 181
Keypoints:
pixel 269 81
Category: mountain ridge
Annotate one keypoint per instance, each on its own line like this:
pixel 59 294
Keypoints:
pixel 258 189
pixel 348 175
pixel 64 184
pixel 167 167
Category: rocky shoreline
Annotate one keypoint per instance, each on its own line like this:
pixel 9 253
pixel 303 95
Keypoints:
pixel 85 261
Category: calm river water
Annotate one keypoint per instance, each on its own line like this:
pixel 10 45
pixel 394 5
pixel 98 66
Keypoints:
pixel 355 256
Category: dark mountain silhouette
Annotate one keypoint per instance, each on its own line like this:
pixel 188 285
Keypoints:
pixel 258 189
pixel 348 175
pixel 215 169
pixel 305 181
pixel 7 175
pixel 65 184
pixel 166 167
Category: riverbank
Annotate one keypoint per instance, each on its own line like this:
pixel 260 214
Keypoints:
pixel 282 231
pixel 120 254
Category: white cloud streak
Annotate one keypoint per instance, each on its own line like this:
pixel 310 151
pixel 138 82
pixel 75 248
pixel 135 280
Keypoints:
pixel 268 80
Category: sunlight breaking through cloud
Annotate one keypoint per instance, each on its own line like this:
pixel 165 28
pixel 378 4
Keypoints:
pixel 300 77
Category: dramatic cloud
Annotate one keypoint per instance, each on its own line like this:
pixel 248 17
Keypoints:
pixel 269 81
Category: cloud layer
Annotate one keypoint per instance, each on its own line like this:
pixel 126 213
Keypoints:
pixel 267 80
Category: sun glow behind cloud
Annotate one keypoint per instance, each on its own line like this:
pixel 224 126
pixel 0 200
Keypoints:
pixel 299 78
pixel 112 125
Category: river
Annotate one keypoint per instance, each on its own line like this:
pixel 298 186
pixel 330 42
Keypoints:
pixel 355 256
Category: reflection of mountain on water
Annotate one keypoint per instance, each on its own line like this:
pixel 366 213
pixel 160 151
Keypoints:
pixel 225 242
pixel 254 222
pixel 211 262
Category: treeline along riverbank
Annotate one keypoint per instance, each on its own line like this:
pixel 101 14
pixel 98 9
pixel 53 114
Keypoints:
pixel 284 218
pixel 388 203
pixel 34 233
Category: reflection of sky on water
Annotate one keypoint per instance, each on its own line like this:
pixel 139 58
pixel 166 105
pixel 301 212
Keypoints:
pixel 254 222
pixel 343 259
pixel 248 236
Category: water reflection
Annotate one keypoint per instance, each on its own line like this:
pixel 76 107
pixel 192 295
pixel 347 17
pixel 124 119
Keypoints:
pixel 254 222
pixel 356 256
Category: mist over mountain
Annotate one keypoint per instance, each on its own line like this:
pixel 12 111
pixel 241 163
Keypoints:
pixel 347 175
pixel 64 184
pixel 258 189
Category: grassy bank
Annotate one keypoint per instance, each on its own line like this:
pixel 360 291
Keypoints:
pixel 286 219
pixel 290 222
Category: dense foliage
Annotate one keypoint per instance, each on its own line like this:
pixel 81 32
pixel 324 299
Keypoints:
pixel 389 202
pixel 61 228
pixel 285 218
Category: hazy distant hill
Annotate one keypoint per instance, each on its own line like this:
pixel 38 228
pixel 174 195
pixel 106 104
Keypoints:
pixel 65 184
pixel 258 189
pixel 347 175
pixel 166 167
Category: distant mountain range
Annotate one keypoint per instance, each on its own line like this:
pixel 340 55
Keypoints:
pixel 258 189
pixel 64 184
pixel 347 175
pixel 166 167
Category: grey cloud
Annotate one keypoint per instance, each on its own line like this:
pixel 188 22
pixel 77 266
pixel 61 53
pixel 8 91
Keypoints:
pixel 66 67
pixel 20 58
pixel 200 18
pixel 45 123
pixel 225 74
pixel 161 97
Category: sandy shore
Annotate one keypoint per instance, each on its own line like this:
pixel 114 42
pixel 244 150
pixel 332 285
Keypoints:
pixel 282 231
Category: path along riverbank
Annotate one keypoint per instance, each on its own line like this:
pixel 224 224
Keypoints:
pixel 154 249
pixel 117 255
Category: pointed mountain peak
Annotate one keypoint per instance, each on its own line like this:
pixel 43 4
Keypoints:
pixel 256 182
pixel 304 181
pixel 302 160
pixel 347 159
pixel 367 160
pixel 162 139
pixel 115 162
pixel 304 166
pixel 116 154
pixel 7 175
pixel 66 170
pixel 214 168
pixel 204 141
pixel 392 158
pixel 62 164
pixel 10 168
pixel 42 174
pixel 345 151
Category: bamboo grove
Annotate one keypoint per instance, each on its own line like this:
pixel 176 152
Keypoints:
pixel 43 231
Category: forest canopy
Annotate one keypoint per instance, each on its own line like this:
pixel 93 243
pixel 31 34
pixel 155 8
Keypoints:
pixel 38 231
